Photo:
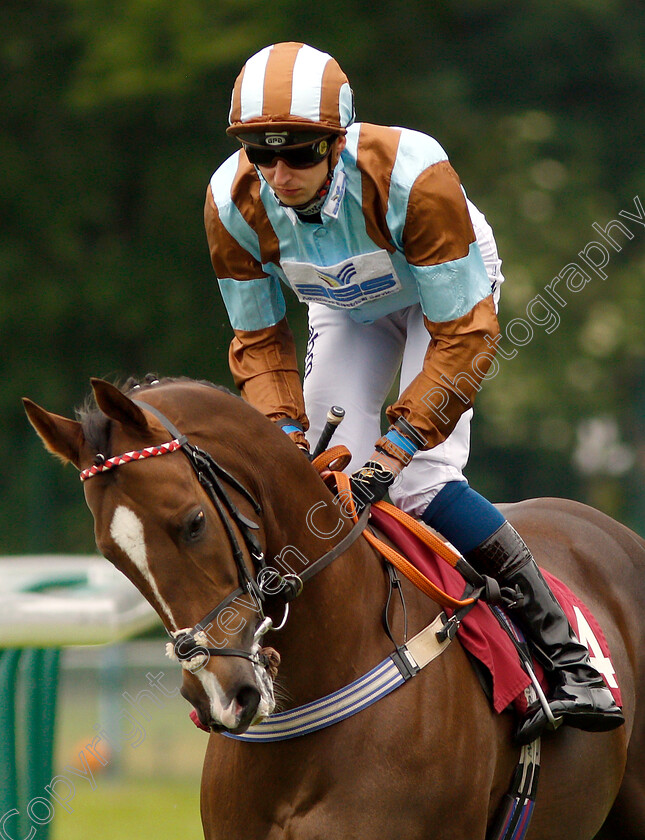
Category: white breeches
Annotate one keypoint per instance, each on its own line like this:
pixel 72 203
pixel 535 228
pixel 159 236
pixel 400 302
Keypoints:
pixel 355 365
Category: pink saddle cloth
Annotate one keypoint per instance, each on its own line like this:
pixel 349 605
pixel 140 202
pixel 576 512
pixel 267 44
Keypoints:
pixel 480 632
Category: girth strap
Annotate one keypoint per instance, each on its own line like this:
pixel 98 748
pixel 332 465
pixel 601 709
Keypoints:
pixel 392 672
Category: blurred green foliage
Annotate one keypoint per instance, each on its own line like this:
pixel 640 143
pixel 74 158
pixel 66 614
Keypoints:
pixel 113 118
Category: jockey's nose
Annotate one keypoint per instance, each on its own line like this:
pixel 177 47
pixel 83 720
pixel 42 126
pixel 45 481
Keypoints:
pixel 282 172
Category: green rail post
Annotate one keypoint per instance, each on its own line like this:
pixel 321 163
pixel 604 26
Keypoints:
pixel 30 647
pixel 28 693
pixel 39 695
pixel 9 660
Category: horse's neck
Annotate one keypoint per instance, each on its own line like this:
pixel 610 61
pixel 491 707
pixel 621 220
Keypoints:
pixel 334 631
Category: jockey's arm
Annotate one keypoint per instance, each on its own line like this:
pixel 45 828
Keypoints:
pixel 459 355
pixel 441 249
pixel 264 366
pixel 459 312
pixel 262 355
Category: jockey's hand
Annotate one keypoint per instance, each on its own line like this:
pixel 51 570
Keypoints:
pixel 371 482
pixel 393 451
pixel 294 430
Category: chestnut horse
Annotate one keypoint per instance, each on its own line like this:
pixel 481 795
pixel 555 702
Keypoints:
pixel 429 760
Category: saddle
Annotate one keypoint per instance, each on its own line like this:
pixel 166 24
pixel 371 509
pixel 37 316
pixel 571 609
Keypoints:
pixel 480 630
pixel 495 645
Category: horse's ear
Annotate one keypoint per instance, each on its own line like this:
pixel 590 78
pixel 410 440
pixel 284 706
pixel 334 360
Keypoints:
pixel 62 437
pixel 117 406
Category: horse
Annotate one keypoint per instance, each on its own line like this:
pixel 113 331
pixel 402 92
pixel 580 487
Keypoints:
pixel 430 759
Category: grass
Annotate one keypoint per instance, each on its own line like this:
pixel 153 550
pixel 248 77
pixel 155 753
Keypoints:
pixel 138 810
pixel 149 789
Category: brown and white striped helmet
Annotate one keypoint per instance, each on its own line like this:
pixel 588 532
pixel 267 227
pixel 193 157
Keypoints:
pixel 292 87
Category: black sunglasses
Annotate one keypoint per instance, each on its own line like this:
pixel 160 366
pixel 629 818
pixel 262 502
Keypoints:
pixel 300 158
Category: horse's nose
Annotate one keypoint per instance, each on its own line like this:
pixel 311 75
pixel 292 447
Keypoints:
pixel 246 703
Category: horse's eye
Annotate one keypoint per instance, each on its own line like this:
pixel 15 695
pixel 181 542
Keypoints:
pixel 195 526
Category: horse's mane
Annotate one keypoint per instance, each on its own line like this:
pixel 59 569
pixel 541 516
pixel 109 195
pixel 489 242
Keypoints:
pixel 97 427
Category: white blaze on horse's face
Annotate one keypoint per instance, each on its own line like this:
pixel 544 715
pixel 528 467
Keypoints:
pixel 225 714
pixel 219 712
pixel 126 530
pixel 229 712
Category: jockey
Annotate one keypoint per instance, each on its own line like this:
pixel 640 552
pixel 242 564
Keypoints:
pixel 370 227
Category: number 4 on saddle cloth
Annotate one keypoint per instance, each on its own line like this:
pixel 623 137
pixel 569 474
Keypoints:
pixel 480 631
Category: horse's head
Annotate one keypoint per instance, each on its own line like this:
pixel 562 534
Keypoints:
pixel 185 545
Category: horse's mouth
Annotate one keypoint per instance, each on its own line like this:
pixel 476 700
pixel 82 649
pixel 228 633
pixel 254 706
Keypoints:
pixel 236 718
pixel 214 726
pixel 208 724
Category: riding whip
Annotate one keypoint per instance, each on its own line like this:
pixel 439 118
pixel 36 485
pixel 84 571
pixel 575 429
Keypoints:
pixel 335 416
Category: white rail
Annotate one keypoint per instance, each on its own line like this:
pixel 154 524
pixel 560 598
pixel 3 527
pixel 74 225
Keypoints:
pixel 58 600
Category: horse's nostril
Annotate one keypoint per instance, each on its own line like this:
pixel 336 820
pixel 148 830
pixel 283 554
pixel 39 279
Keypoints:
pixel 248 700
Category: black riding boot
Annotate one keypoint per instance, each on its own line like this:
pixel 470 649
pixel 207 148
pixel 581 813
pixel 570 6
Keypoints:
pixel 580 696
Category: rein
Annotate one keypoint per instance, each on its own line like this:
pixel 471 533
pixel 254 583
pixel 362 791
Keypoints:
pixel 193 642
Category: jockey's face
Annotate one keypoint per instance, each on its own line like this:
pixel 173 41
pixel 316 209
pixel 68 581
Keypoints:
pixel 295 187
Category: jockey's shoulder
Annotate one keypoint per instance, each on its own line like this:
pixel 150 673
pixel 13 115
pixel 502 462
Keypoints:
pixel 396 153
pixel 234 178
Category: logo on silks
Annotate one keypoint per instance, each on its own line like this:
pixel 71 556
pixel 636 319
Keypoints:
pixel 362 279
pixel 342 278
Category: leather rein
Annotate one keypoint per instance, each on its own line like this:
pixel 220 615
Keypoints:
pixel 212 477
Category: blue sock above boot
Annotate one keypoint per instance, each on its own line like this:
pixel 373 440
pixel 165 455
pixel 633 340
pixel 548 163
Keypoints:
pixel 462 516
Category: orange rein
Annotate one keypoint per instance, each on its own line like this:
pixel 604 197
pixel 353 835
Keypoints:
pixel 339 457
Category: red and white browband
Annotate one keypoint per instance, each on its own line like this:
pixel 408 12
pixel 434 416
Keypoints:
pixel 137 455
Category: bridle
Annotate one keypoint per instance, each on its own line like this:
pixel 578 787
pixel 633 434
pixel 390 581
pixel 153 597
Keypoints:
pixel 187 643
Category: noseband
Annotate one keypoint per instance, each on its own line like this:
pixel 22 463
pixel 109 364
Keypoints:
pixel 210 476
